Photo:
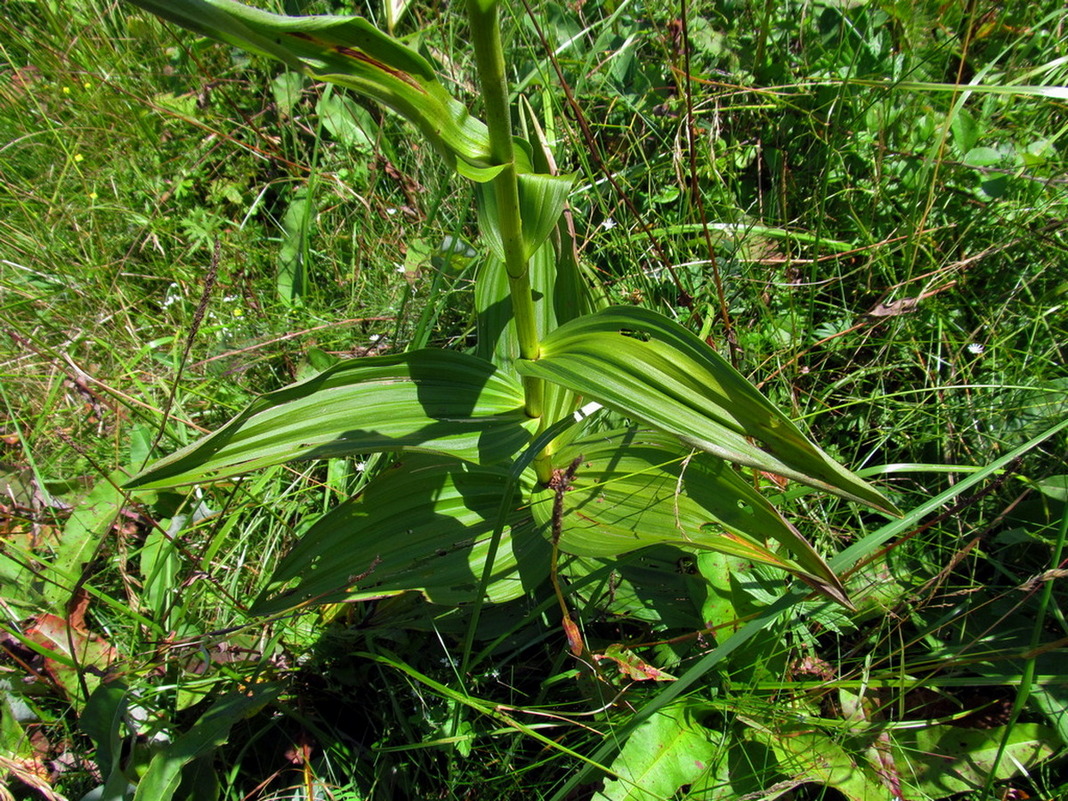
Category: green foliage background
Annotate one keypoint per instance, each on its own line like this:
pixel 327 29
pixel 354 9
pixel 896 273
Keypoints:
pixel 881 188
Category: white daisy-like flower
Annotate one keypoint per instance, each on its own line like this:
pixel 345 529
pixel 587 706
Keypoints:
pixel 975 348
pixel 608 224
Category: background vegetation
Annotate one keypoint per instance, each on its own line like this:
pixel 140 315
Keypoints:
pixel 861 203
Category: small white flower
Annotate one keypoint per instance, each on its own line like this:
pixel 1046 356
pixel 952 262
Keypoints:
pixel 173 295
pixel 608 224
pixel 374 337
pixel 975 348
pixel 391 212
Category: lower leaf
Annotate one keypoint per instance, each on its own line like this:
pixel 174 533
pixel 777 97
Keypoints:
pixel 636 488
pixel 423 526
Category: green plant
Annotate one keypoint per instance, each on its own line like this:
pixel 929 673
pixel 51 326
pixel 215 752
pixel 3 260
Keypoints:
pixel 838 175
pixel 499 458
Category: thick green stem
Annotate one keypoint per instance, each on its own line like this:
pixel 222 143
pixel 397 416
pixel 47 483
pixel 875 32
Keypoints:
pixel 484 19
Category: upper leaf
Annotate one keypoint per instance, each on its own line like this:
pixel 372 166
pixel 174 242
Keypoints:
pixel 348 51
pixel 541 202
pixel 426 400
pixel 646 366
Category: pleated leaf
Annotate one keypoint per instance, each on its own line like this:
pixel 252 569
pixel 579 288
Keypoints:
pixel 426 400
pixel 560 294
pixel 347 51
pixel 541 202
pixel 423 526
pixel 655 371
pixel 636 488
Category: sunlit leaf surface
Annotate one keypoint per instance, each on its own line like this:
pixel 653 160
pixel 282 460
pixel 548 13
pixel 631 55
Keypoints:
pixel 347 51
pixel 425 400
pixel 652 369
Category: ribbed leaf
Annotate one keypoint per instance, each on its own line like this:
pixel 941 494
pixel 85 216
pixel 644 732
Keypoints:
pixel 560 294
pixel 425 400
pixel 541 202
pixel 652 369
pixel 423 526
pixel 348 51
pixel 637 488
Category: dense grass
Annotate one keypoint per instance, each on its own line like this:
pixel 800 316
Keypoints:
pixel 183 227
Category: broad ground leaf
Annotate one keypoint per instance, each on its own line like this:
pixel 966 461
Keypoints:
pixel 212 730
pixel 89 522
pixel 425 400
pixel 636 488
pixel 102 720
pixel 653 585
pixel 668 751
pixel 347 51
pixel 424 525
pixel 811 756
pixel 940 761
pixel 652 369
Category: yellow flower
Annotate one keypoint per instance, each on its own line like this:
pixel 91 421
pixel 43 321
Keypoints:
pixel 78 157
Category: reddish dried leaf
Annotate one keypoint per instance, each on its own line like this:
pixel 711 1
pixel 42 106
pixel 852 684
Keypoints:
pixel 633 666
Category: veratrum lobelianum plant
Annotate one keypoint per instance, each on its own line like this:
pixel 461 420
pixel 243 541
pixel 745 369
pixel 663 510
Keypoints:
pixel 469 503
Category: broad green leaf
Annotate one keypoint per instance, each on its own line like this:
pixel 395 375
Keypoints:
pixel 89 522
pixel 160 566
pixel 638 488
pixel 652 369
pixel 102 720
pixel 725 604
pixel 541 202
pixel 941 761
pixel 668 751
pixel 425 400
pixel 1054 487
pixel 720 602
pixel 423 526
pixel 810 754
pixel 560 295
pixel 286 90
pixel 298 227
pixel 348 122
pixel 210 731
pixel 347 51
pixel 652 585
